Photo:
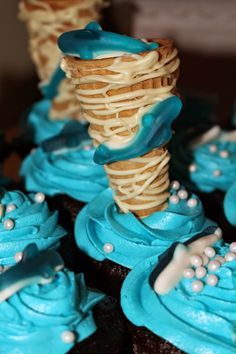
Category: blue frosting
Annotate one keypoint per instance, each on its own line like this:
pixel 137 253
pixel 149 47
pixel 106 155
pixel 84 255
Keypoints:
pixel 34 319
pixel 206 162
pixel 230 204
pixel 154 131
pixel 134 239
pixel 194 322
pixel 38 123
pixel 33 222
pixel 69 171
pixel 92 41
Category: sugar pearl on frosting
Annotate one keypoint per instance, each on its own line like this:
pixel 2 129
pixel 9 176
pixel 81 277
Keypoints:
pixel 232 247
pixel 224 154
pixel 200 272
pixel 68 337
pixel 213 148
pixel 220 259
pixel 39 197
pixel 108 248
pixel 188 273
pixel 8 224
pixel 10 207
pixel 213 265
pixel 174 199
pixel 192 202
pixel 175 185
pixel 218 232
pixel 197 286
pixel 209 252
pixel 182 194
pixel 212 280
pixel 205 259
pixel 193 167
pixel 196 260
pixel 87 147
pixel 217 173
pixel 18 256
pixel 230 256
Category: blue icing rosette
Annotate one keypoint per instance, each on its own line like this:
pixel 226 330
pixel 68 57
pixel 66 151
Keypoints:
pixel 48 318
pixel 102 232
pixel 39 125
pixel 26 219
pixel 70 171
pixel 200 321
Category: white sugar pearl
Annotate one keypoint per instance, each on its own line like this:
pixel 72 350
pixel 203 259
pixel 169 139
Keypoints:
pixel 212 280
pixel 218 232
pixel 196 261
pixel 68 337
pixel 18 256
pixel 8 224
pixel 188 273
pixel 200 272
pixel 224 154
pixel 205 259
pixel 230 256
pixel 182 194
pixel 108 248
pixel 213 148
pixel 87 147
pixel 209 252
pixel 32 150
pixel 232 247
pixel 10 208
pixel 39 197
pixel 192 167
pixel 197 286
pixel 175 185
pixel 174 199
pixel 192 202
pixel 217 173
pixel 213 265
pixel 220 259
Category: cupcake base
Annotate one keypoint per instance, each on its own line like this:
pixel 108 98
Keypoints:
pixel 110 336
pixel 146 342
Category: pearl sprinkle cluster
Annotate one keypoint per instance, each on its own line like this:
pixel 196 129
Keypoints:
pixel 181 194
pixel 224 154
pixel 202 266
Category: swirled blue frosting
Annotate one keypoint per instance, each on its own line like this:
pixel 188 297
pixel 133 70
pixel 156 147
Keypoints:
pixel 213 171
pixel 39 125
pixel 69 171
pixel 100 223
pixel 34 319
pixel 194 322
pixel 33 222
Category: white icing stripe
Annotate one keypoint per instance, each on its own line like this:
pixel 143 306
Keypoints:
pixel 115 130
pixel 44 26
pixel 150 193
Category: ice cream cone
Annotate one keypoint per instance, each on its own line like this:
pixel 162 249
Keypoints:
pixel 45 21
pixel 114 93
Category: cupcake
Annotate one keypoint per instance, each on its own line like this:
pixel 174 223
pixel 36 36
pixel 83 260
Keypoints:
pixel 127 92
pixel 45 308
pixel 63 169
pixel 45 21
pixel 184 300
pixel 205 161
pixel 26 219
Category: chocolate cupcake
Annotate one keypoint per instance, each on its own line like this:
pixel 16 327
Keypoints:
pixel 45 308
pixel 184 299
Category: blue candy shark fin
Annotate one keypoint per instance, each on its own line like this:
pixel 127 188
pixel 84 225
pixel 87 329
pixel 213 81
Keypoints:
pixel 30 251
pixel 50 89
pixel 93 26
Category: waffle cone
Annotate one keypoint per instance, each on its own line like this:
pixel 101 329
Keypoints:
pixel 141 184
pixel 44 26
